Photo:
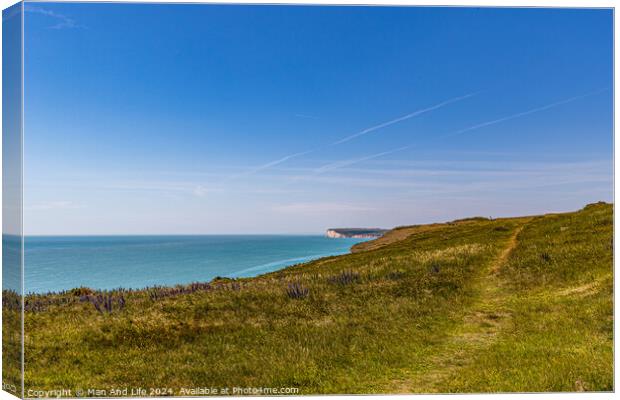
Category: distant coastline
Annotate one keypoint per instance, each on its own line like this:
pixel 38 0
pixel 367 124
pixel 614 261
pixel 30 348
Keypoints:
pixel 355 233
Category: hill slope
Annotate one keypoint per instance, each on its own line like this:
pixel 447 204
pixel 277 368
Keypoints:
pixel 515 304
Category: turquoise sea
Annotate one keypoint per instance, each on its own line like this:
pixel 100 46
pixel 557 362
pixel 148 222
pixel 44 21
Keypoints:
pixel 57 263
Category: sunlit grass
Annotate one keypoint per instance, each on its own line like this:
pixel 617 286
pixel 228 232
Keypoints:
pixel 427 309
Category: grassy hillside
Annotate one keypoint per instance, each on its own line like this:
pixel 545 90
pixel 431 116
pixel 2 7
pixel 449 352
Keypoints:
pixel 478 305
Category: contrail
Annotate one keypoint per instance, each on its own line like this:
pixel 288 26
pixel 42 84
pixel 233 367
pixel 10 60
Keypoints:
pixel 340 164
pixel 360 133
pixel 403 118
pixel 272 163
pixel 524 113
pixel 345 163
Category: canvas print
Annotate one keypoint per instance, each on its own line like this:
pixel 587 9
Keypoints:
pixel 213 200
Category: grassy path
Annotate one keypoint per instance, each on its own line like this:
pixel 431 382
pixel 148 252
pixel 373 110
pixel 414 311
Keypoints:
pixel 512 244
pixel 478 330
pixel 467 306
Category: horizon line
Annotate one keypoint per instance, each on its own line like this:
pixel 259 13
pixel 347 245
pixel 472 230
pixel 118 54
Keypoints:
pixel 179 234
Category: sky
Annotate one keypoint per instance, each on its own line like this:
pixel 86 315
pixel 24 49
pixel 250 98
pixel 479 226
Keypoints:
pixel 224 119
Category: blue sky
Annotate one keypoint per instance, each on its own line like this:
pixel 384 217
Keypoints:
pixel 293 119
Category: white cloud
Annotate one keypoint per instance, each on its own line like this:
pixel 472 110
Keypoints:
pixel 200 191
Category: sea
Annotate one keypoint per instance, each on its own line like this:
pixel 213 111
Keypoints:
pixel 55 263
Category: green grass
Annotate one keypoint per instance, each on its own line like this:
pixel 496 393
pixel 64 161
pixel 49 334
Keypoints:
pixel 467 306
pixel 558 292
pixel 11 343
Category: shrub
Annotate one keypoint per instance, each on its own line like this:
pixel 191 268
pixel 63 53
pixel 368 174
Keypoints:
pixel 345 278
pixel 161 292
pixel 11 300
pixel 296 291
pixel 105 303
pixel 82 291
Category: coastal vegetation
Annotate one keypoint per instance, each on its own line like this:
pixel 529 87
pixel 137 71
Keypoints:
pixel 477 305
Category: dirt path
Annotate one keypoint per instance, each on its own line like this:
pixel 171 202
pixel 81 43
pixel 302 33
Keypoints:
pixel 480 326
pixel 512 243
